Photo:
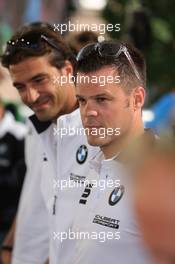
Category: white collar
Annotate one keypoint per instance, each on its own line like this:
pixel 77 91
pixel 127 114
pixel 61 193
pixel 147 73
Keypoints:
pixel 99 159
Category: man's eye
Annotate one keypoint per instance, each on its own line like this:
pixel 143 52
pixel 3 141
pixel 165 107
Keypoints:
pixel 41 79
pixel 81 101
pixel 20 88
pixel 101 99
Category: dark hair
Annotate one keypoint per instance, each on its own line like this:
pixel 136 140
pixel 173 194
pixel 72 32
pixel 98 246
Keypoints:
pixel 17 53
pixel 92 61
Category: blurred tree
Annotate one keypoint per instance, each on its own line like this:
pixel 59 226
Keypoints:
pixel 150 26
pixel 5 32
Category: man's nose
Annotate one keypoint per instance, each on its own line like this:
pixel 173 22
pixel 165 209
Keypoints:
pixel 90 110
pixel 31 95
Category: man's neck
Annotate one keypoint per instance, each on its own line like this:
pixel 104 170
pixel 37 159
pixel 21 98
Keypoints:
pixel 69 109
pixel 71 104
pixel 120 144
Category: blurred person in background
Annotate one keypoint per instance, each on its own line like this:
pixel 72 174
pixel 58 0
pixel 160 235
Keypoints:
pixel 12 167
pixel 163 114
pixel 77 41
pixel 155 200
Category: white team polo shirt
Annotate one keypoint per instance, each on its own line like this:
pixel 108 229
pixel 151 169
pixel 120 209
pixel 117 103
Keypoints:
pixel 104 227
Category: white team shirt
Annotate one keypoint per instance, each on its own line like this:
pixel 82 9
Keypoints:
pixel 105 221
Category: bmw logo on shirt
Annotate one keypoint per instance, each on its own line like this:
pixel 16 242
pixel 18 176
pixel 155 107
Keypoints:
pixel 81 154
pixel 116 195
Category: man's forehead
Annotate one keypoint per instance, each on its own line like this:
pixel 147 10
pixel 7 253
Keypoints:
pixel 104 71
pixel 31 63
pixel 100 81
pixel 29 68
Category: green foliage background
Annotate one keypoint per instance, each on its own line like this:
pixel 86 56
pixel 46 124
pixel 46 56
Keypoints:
pixel 160 52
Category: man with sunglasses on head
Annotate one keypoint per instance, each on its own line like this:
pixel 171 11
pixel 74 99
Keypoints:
pixel 105 220
pixel 37 58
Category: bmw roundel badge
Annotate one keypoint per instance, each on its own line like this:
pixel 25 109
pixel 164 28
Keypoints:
pixel 116 195
pixel 81 154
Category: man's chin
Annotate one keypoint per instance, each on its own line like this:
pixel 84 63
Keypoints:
pixel 43 117
pixel 96 141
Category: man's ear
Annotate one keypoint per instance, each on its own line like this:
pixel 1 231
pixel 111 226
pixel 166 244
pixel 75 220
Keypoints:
pixel 139 97
pixel 67 69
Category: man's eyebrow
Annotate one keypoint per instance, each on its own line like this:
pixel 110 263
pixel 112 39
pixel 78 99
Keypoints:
pixel 102 94
pixel 94 96
pixel 39 75
pixel 78 96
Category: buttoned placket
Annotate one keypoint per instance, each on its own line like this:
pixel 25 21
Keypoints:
pixel 56 178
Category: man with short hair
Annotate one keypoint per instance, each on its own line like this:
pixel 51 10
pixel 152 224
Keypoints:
pixel 32 68
pixel 106 216
pixel 38 59
pixel 34 58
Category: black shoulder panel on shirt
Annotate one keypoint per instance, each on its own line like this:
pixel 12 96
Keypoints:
pixel 39 125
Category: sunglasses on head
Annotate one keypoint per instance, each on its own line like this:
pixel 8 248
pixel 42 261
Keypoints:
pixel 29 42
pixel 105 49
